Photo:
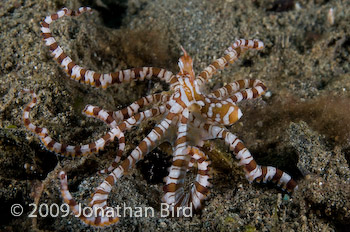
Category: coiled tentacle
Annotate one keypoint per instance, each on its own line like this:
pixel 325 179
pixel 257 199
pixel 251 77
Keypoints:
pixel 174 192
pixel 184 157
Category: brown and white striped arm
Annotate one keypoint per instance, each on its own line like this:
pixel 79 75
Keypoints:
pixel 101 114
pixel 106 116
pixel 112 118
pixel 240 90
pixel 91 77
pixel 134 121
pixel 94 220
pixel 200 189
pixel 174 191
pixel 231 55
pixel 184 158
pixel 254 172
pixel 64 149
pixel 129 111
pixel 99 198
pixel 245 44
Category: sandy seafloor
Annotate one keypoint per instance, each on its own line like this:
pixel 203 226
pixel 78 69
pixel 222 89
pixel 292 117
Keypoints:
pixel 302 126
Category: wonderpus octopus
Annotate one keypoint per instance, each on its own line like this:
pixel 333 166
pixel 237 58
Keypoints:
pixel 189 117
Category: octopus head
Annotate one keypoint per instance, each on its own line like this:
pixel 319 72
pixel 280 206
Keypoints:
pixel 186 65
